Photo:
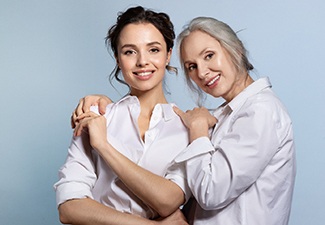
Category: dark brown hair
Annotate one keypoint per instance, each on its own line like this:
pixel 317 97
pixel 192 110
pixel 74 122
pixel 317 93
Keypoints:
pixel 139 15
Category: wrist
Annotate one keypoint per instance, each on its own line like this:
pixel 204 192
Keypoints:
pixel 194 136
pixel 102 147
pixel 198 130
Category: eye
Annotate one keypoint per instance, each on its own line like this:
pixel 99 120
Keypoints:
pixel 154 50
pixel 209 56
pixel 128 52
pixel 191 67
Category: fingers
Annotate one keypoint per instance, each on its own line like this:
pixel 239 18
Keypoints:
pixel 81 122
pixel 86 103
pixel 85 115
pixel 178 111
pixel 84 106
pixel 76 112
pixel 102 104
pixel 73 120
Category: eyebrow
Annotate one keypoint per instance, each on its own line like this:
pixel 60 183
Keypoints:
pixel 200 53
pixel 148 44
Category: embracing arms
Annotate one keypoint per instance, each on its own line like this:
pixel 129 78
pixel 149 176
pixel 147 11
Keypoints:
pixel 89 212
pixel 162 195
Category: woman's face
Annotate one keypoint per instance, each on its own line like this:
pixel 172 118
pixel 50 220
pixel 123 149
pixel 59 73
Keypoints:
pixel 209 65
pixel 142 57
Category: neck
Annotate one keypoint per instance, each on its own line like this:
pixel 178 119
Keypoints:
pixel 149 99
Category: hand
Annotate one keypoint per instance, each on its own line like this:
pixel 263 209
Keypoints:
pixel 197 120
pixel 95 125
pixel 84 106
pixel 176 218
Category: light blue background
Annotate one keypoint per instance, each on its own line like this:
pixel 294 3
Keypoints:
pixel 52 53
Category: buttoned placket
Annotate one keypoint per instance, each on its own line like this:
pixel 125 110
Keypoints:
pixel 153 130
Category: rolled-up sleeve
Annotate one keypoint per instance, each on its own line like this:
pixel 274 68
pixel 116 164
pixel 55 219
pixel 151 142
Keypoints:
pixel 77 176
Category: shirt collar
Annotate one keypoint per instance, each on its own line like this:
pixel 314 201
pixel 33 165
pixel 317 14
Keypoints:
pixel 249 91
pixel 167 109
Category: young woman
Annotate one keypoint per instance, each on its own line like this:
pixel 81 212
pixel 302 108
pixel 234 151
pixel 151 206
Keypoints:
pixel 141 131
pixel 240 165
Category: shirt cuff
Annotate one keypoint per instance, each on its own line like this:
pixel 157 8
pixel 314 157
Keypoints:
pixel 72 190
pixel 199 146
pixel 176 173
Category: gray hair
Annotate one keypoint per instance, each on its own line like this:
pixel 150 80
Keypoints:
pixel 228 40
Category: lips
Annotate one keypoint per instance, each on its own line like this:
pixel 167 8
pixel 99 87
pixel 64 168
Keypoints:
pixel 213 81
pixel 144 75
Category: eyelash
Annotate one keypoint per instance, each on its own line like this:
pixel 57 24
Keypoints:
pixel 128 52
pixel 209 56
pixel 153 50
pixel 191 67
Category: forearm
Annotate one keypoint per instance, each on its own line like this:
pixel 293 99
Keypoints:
pixel 160 194
pixel 89 212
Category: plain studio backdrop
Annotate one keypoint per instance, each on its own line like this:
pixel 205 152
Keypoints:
pixel 52 53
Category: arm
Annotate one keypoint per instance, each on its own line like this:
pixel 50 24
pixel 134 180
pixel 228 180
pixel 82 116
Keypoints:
pixel 162 195
pixel 87 211
pixel 236 160
pixel 74 196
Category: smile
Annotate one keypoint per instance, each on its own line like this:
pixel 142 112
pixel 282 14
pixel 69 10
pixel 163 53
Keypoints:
pixel 143 74
pixel 210 83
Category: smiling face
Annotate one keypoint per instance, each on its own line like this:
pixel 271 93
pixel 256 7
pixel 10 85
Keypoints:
pixel 142 57
pixel 209 65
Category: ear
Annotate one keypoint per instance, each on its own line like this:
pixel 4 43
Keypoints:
pixel 117 61
pixel 169 55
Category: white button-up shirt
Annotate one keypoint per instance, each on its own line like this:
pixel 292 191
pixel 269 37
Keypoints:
pixel 245 174
pixel 85 173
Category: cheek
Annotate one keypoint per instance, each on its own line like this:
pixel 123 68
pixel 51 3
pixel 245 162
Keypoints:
pixel 126 64
pixel 194 78
pixel 160 60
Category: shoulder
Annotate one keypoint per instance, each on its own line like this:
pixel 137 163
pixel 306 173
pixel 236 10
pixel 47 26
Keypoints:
pixel 109 109
pixel 265 110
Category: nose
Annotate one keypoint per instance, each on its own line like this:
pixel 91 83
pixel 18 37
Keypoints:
pixel 202 70
pixel 142 59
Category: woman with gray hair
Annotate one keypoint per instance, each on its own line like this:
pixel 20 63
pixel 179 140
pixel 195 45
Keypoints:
pixel 243 170
pixel 240 163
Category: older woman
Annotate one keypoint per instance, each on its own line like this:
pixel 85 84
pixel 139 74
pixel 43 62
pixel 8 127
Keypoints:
pixel 244 173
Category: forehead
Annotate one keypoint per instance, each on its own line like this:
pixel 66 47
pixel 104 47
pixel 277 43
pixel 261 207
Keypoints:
pixel 140 33
pixel 198 41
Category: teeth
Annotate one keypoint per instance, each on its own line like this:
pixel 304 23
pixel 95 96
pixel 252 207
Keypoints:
pixel 214 80
pixel 144 74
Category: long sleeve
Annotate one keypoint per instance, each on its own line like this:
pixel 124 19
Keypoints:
pixel 77 175
pixel 217 176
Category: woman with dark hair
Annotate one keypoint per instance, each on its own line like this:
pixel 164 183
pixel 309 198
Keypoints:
pixel 141 132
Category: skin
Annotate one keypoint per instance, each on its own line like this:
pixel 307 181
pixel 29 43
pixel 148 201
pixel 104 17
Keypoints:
pixel 209 65
pixel 142 57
